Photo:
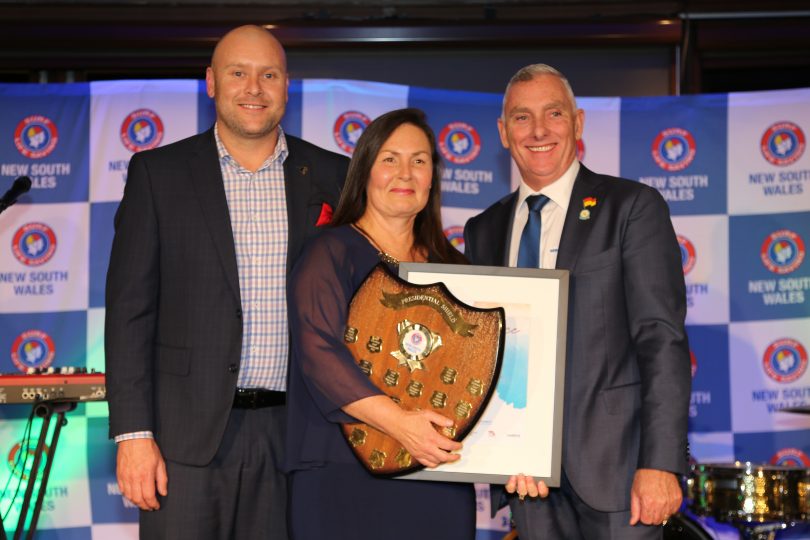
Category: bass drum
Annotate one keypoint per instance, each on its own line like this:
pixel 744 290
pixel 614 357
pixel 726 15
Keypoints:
pixel 681 527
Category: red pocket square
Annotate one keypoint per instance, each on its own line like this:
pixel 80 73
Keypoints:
pixel 326 215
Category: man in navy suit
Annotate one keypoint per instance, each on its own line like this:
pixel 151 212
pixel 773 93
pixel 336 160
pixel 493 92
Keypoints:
pixel 196 323
pixel 627 379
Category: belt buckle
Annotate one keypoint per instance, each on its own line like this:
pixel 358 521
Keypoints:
pixel 247 398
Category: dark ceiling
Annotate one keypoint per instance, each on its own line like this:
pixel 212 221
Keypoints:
pixel 716 45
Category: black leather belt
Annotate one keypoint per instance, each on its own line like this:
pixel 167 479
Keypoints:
pixel 256 398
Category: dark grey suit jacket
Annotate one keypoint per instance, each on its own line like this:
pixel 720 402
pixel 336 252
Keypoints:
pixel 628 375
pixel 173 329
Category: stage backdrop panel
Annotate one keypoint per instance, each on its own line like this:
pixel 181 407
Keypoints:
pixel 705 266
pixel 467 137
pixel 678 146
pixel 45 137
pixel 709 407
pixel 768 166
pixel 131 116
pixel 770 279
pixel 45 266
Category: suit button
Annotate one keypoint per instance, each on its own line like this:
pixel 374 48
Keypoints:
pixel 239 313
pixel 233 368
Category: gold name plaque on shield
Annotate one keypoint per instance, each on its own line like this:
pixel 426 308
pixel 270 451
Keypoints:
pixel 426 350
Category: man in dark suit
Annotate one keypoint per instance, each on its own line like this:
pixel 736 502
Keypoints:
pixel 627 378
pixel 196 322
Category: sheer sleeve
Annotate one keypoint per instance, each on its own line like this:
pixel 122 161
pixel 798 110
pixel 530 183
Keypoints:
pixel 321 287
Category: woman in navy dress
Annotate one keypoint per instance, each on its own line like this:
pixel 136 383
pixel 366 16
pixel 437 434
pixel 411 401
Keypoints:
pixel 389 211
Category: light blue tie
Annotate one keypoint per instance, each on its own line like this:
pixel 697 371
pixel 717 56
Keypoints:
pixel 529 250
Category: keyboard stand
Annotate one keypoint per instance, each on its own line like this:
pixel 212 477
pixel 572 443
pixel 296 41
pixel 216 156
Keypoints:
pixel 45 410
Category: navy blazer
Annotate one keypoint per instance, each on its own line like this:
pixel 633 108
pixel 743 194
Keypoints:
pixel 628 373
pixel 173 330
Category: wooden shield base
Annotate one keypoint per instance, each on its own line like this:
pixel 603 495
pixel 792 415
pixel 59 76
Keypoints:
pixel 425 350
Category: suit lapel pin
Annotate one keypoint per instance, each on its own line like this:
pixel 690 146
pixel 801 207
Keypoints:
pixel 587 202
pixel 303 169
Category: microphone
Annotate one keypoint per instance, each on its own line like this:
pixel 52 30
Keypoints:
pixel 21 185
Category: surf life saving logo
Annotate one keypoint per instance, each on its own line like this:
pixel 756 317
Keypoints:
pixel 790 457
pixel 36 136
pixel 34 244
pixel 32 349
pixel 348 128
pixel 782 143
pixel 141 130
pixel 687 254
pixel 782 252
pixel 455 235
pixel 674 149
pixel 459 143
pixel 785 360
pixel 20 459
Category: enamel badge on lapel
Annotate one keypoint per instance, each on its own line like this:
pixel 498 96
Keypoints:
pixel 587 202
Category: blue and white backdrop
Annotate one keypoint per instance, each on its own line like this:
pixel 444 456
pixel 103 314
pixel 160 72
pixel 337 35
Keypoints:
pixel 734 168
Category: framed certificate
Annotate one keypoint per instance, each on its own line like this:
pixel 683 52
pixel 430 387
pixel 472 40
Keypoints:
pixel 520 430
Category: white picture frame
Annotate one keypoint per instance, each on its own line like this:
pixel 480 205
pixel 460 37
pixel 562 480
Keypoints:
pixel 520 430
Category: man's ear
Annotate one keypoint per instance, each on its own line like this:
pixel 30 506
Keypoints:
pixel 502 132
pixel 210 85
pixel 579 123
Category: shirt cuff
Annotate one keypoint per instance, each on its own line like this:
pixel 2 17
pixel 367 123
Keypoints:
pixel 134 435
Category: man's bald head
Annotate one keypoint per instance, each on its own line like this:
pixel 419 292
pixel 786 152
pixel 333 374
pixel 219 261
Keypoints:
pixel 250 35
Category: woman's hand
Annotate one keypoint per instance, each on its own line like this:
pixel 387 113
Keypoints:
pixel 416 432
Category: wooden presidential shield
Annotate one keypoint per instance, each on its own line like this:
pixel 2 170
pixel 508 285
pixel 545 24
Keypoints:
pixel 426 350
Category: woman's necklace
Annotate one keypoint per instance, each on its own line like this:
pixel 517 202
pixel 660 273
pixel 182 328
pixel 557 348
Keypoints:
pixel 381 253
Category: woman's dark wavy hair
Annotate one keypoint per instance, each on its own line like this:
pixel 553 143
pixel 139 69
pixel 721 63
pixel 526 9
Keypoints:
pixel 428 232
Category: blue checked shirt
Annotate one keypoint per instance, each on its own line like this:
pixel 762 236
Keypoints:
pixel 257 204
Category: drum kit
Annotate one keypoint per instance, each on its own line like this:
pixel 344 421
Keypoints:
pixel 757 499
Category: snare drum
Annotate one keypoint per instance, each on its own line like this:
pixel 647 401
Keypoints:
pixel 747 492
pixel 799 486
